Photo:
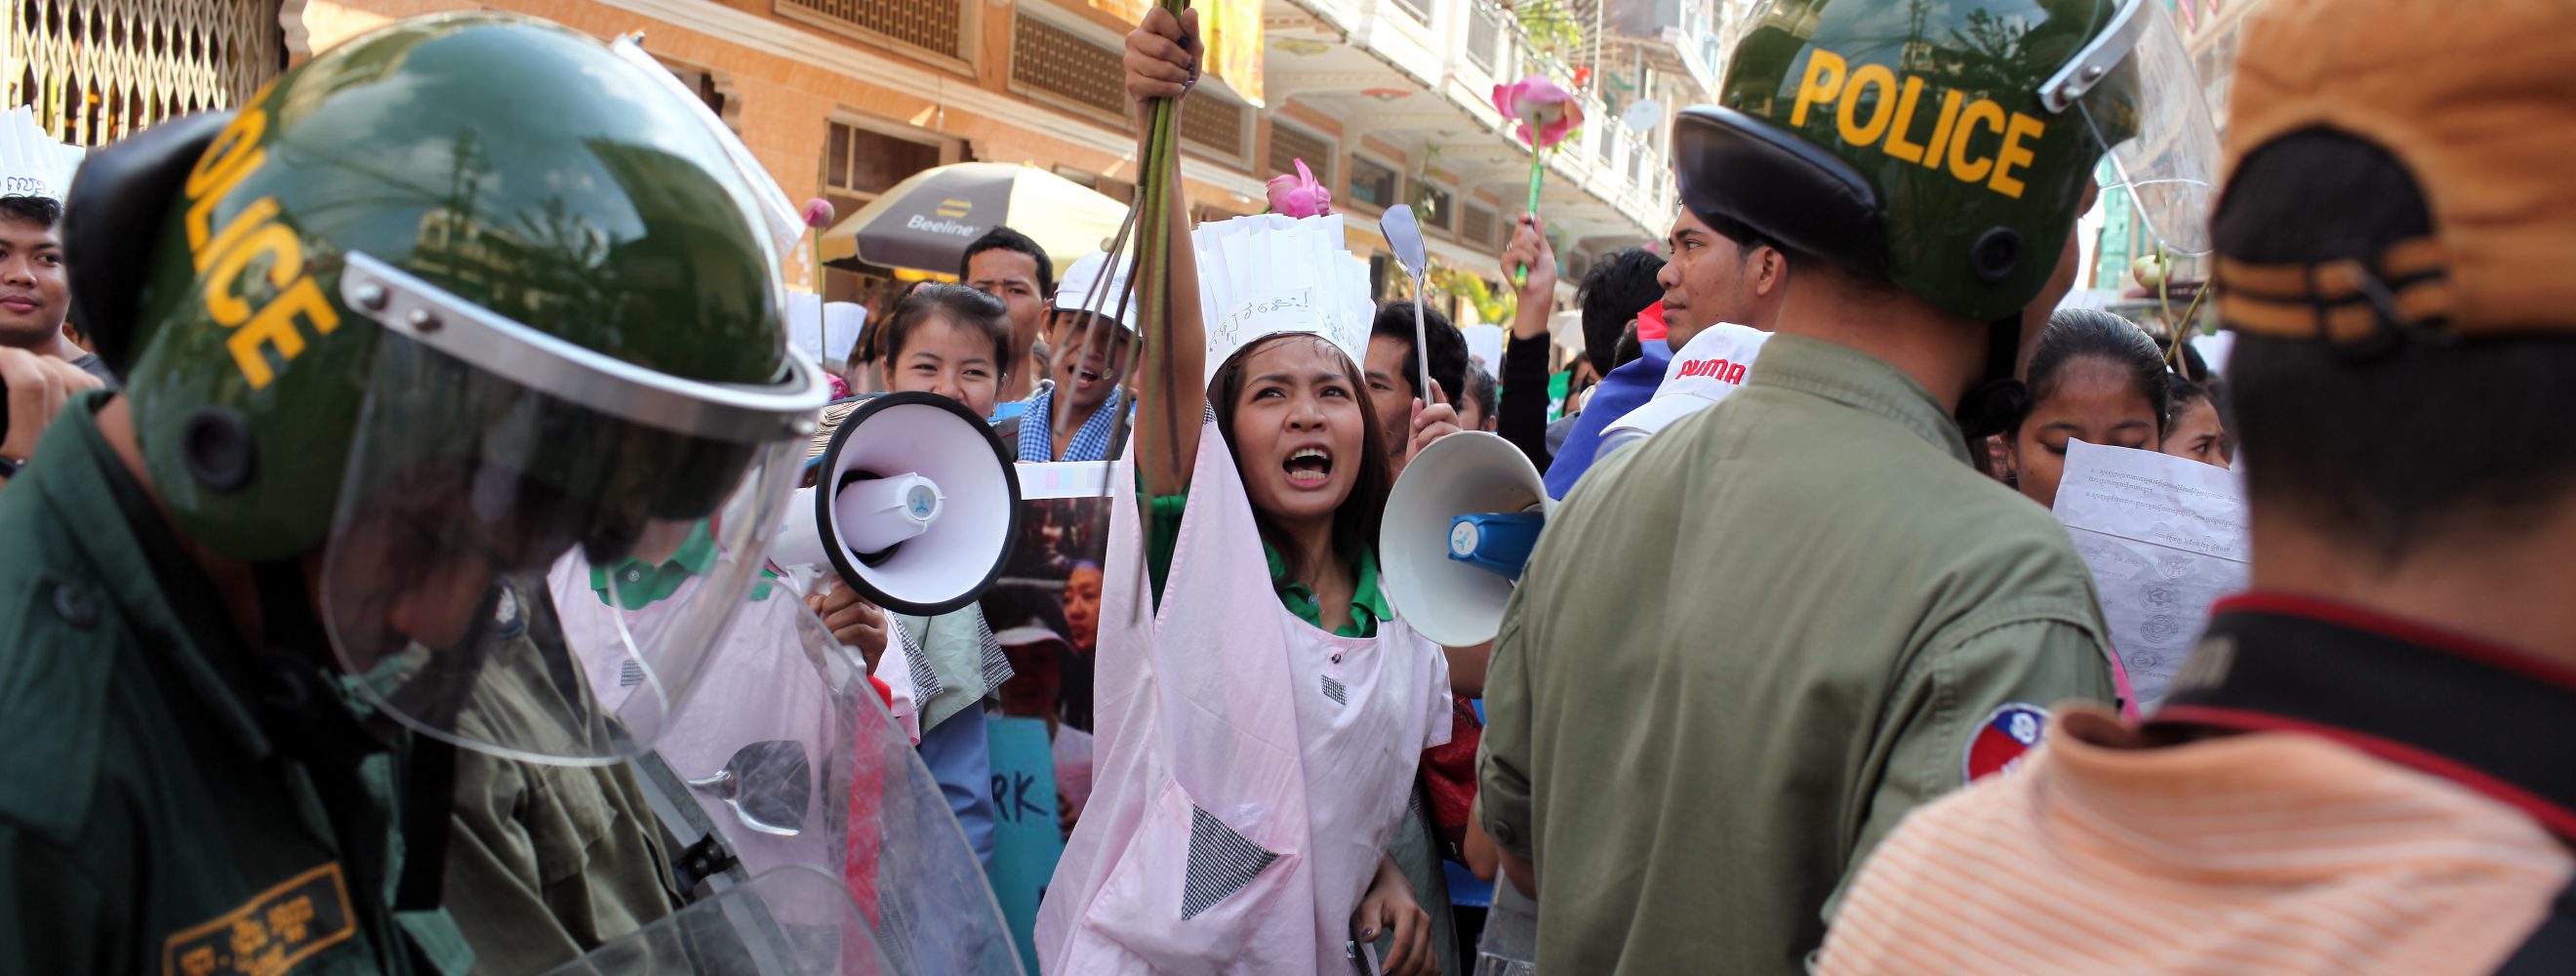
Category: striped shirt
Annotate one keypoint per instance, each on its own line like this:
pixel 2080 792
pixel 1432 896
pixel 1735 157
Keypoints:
pixel 1090 441
pixel 2245 854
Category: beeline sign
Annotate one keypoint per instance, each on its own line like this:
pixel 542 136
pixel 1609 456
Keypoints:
pixel 927 225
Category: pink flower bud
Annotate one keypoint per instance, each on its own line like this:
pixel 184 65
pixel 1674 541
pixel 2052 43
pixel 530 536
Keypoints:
pixel 1300 195
pixel 818 213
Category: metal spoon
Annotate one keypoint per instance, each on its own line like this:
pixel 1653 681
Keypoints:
pixel 1404 236
pixel 766 785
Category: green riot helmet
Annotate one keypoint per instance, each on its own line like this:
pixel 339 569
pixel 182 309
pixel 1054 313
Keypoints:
pixel 1946 147
pixel 488 315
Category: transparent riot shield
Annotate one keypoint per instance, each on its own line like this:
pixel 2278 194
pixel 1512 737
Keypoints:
pixel 781 755
pixel 793 921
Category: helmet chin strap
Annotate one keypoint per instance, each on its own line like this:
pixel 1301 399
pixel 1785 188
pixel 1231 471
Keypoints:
pixel 1998 397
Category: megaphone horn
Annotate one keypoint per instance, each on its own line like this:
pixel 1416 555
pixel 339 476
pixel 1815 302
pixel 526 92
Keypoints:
pixel 1460 525
pixel 917 505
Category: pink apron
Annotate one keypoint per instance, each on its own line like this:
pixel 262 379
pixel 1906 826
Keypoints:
pixel 1250 769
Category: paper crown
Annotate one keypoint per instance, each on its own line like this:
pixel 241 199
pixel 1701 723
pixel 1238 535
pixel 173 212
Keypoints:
pixel 1269 274
pixel 32 164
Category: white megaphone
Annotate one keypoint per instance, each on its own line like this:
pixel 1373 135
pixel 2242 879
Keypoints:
pixel 1459 526
pixel 915 503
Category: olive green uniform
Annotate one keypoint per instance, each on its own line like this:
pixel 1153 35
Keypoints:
pixel 149 820
pixel 545 863
pixel 1745 648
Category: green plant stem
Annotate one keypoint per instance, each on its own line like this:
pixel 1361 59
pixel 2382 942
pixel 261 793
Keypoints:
pixel 1538 178
pixel 1156 195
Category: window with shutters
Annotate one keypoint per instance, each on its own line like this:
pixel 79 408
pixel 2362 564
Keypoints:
pixel 1373 183
pixel 1217 127
pixel 1476 226
pixel 862 160
pixel 1115 189
pixel 934 27
pixel 1289 144
pixel 1063 68
pixel 99 70
pixel 1484 35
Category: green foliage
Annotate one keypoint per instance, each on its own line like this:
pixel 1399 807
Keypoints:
pixel 1551 27
pixel 1491 306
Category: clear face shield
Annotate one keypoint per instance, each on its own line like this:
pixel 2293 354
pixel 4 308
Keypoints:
pixel 2135 87
pixel 783 755
pixel 553 474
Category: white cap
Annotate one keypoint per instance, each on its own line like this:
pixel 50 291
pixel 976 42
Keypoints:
pixel 32 164
pixel 1074 291
pixel 1267 274
pixel 1711 366
pixel 1028 634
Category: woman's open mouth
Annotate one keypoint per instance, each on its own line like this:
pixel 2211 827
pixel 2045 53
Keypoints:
pixel 1309 467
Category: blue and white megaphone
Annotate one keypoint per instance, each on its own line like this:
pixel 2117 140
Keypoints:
pixel 915 503
pixel 1460 524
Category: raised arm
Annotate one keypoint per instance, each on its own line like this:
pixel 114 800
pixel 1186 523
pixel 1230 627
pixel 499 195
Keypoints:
pixel 1521 416
pixel 1163 55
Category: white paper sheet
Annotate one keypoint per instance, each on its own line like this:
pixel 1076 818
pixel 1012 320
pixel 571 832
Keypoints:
pixel 1070 479
pixel 2165 538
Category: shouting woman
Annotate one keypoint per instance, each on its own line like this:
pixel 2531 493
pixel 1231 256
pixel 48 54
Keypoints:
pixel 1259 711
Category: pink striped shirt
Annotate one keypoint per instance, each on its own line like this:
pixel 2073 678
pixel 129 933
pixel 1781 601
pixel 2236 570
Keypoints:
pixel 2245 854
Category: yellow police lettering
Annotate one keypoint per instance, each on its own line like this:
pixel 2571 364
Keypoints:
pixel 1817 88
pixel 1896 144
pixel 2015 153
pixel 1869 76
pixel 1950 102
pixel 274 327
pixel 1958 142
pixel 263 319
pixel 285 264
pixel 257 215
pixel 1973 170
pixel 234 155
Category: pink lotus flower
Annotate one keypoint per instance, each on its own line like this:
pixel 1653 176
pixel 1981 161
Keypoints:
pixel 1546 111
pixel 818 213
pixel 1300 196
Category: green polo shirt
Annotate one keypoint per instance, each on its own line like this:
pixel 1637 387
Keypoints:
pixel 1368 605
pixel 149 822
pixel 1745 647
pixel 640 584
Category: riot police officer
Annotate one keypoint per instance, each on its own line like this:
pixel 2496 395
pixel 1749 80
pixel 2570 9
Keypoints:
pixel 454 305
pixel 1745 648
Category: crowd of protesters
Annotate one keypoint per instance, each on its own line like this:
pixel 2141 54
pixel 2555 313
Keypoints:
pixel 365 604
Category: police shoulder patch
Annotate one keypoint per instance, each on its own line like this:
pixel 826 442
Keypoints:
pixel 1999 742
pixel 270 933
